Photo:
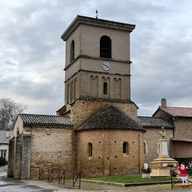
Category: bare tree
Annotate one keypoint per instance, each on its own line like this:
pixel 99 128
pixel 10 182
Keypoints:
pixel 9 110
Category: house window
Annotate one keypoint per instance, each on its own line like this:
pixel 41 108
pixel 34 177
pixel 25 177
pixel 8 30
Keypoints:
pixel 105 88
pixel 125 148
pixel 3 153
pixel 105 47
pixel 72 51
pixel 89 150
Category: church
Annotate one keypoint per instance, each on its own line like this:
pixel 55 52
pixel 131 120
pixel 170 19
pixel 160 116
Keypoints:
pixel 97 131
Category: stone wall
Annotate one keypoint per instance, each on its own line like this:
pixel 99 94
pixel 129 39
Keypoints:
pixel 51 147
pixel 107 152
pixel 10 171
pixel 26 157
pixel 118 86
pixel 82 110
pixel 18 156
pixel 183 128
pixel 151 140
pixel 162 114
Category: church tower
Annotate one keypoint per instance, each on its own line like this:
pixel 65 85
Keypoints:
pixel 106 140
pixel 97 68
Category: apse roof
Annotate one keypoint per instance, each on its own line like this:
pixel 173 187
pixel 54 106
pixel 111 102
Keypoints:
pixel 111 118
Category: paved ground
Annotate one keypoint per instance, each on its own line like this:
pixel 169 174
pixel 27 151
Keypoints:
pixel 11 185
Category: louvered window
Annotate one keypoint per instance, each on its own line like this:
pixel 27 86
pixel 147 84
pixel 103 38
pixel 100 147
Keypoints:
pixel 105 47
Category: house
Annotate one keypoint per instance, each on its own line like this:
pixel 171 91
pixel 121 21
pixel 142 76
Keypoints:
pixel 181 119
pixel 5 136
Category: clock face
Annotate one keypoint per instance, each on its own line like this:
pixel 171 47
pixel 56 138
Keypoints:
pixel 105 65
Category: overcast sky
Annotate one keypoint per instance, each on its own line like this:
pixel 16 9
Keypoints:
pixel 32 52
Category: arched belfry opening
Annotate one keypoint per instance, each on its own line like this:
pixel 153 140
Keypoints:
pixel 72 51
pixel 105 47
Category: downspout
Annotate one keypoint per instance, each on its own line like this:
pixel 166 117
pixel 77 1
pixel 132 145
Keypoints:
pixel 172 137
pixel 30 154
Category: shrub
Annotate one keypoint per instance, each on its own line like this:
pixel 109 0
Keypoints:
pixel 2 161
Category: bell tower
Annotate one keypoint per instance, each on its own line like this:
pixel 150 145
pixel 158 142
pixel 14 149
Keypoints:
pixel 97 68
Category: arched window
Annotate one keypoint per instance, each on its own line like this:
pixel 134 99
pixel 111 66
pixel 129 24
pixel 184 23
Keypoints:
pixel 105 88
pixel 89 150
pixel 126 148
pixel 72 51
pixel 105 47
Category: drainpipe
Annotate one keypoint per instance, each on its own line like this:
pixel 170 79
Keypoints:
pixel 172 137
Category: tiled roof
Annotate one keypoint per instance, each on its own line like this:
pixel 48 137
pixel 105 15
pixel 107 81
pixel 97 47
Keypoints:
pixel 3 138
pixel 178 111
pixel 33 119
pixel 153 122
pixel 111 118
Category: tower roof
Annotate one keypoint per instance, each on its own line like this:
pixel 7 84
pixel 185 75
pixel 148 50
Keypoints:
pixel 96 22
pixel 111 118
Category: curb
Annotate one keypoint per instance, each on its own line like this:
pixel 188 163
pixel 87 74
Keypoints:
pixel 104 183
pixel 128 184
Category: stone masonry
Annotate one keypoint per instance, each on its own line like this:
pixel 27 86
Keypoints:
pixel 108 152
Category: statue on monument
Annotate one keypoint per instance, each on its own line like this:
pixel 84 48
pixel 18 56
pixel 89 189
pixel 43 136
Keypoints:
pixel 162 133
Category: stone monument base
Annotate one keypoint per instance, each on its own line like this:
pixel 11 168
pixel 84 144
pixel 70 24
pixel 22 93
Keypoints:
pixel 160 166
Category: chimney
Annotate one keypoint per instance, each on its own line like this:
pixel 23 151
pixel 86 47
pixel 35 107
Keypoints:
pixel 163 102
pixel 7 133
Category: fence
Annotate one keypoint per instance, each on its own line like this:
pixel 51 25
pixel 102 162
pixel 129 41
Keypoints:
pixel 61 176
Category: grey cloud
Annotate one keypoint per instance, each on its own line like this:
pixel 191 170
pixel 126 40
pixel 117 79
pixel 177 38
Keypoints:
pixel 32 53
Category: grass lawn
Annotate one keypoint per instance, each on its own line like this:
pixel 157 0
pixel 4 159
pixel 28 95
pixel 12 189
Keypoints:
pixel 130 179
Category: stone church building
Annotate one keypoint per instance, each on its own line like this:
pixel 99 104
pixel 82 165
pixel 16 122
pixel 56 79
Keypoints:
pixel 97 131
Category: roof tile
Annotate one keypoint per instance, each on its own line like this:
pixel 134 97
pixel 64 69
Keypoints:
pixel 110 118
pixel 153 122
pixel 3 138
pixel 45 119
pixel 178 111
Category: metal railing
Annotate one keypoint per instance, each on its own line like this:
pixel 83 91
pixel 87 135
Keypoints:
pixel 77 178
pixel 50 175
pixel 40 174
pixel 61 178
